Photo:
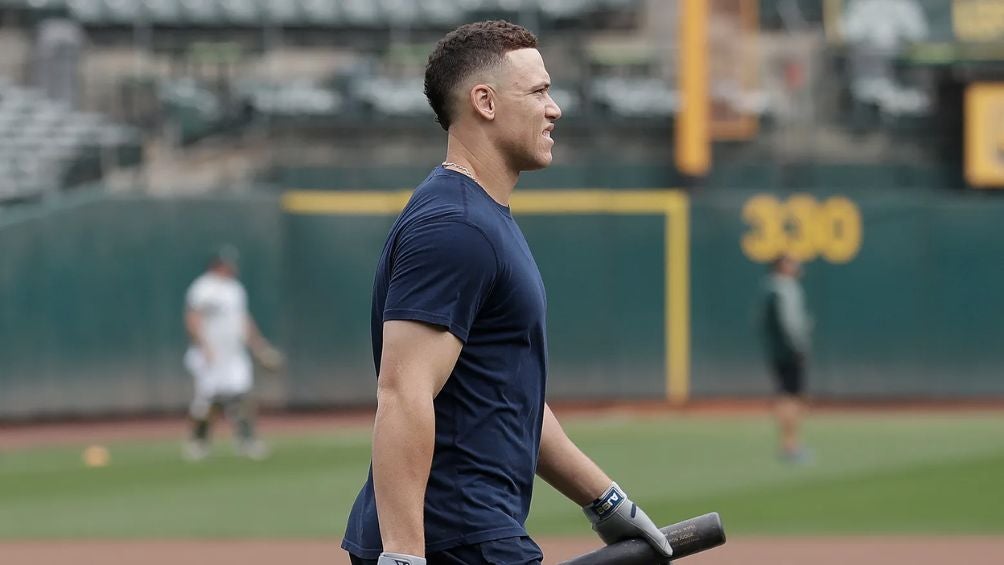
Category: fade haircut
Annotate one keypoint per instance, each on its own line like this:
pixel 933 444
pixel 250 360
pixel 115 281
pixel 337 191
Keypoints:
pixel 464 52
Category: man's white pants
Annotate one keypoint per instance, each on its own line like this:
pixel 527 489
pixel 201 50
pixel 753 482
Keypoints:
pixel 227 375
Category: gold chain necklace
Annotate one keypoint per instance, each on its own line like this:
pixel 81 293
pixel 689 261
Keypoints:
pixel 461 169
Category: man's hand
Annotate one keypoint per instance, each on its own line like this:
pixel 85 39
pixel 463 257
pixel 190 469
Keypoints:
pixel 616 518
pixel 208 355
pixel 270 358
pixel 387 558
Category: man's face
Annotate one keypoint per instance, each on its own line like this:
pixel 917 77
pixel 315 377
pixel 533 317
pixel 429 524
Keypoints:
pixel 525 112
pixel 791 267
pixel 225 269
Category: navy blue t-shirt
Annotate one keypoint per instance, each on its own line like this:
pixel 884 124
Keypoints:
pixel 456 258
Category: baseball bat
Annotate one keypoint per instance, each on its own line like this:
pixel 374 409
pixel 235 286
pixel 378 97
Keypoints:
pixel 686 538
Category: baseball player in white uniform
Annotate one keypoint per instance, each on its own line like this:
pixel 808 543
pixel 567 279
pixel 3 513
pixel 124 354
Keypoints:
pixel 221 330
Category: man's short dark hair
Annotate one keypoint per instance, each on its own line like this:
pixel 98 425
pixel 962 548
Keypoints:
pixel 469 49
pixel 226 254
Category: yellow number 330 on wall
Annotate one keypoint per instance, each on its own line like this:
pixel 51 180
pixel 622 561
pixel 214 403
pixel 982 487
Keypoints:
pixel 801 227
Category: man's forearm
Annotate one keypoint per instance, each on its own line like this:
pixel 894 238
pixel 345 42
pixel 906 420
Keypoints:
pixel 403 442
pixel 193 323
pixel 253 334
pixel 565 467
pixel 613 515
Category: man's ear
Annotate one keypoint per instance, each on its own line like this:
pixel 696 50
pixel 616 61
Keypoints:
pixel 483 100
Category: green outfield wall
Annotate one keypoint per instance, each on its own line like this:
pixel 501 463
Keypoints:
pixel 604 260
pixel 905 290
pixel 605 303
pixel 92 292
pixel 914 309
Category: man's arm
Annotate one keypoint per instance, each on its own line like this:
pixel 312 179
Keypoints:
pixel 265 354
pixel 193 324
pixel 416 361
pixel 565 467
pixel 253 335
pixel 613 515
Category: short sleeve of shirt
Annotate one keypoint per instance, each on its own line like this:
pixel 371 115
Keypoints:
pixel 197 295
pixel 442 273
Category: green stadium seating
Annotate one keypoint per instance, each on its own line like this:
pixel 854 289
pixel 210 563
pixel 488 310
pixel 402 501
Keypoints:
pixel 45 145
pixel 165 12
pixel 359 14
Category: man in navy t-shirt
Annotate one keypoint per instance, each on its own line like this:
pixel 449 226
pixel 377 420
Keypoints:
pixel 459 336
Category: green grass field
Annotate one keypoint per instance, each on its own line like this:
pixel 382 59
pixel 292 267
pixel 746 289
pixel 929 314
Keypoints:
pixel 902 473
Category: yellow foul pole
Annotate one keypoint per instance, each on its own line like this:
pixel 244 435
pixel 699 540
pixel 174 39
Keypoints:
pixel 693 145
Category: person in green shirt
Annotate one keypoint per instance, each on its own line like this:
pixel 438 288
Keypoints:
pixel 787 328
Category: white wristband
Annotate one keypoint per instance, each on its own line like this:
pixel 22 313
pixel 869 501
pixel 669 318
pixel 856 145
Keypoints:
pixel 388 558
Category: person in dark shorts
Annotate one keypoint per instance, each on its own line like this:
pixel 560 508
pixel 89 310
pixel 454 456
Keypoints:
pixel 787 329
pixel 460 341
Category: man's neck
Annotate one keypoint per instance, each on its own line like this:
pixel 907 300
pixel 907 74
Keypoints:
pixel 486 164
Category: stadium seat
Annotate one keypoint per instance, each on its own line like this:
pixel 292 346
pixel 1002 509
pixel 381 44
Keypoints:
pixel 122 12
pixel 293 100
pixel 193 110
pixel 87 11
pixel 308 13
pixel 200 12
pixel 440 12
pixel 283 12
pixel 393 96
pixel 401 12
pixel 320 13
pixel 568 100
pixel 42 142
pixel 635 97
pixel 565 9
pixel 362 13
pixel 162 12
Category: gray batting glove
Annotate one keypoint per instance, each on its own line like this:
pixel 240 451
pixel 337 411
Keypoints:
pixel 615 518
pixel 387 558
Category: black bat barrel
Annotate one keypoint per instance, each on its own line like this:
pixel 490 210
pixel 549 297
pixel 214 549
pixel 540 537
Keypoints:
pixel 686 538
